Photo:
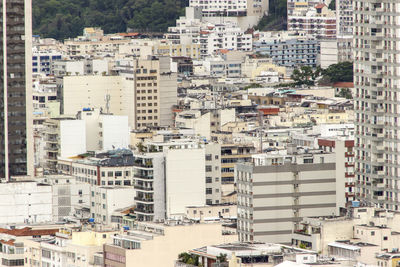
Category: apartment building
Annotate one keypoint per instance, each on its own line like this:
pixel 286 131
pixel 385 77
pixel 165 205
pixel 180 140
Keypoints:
pixel 111 94
pixel 276 191
pixel 104 201
pixel 104 131
pixel 67 248
pixel 364 234
pixel 345 164
pixel 25 202
pixel 64 137
pixel 149 182
pixel 246 13
pixel 166 240
pixel 211 37
pixel 155 88
pixel 111 168
pixel 375 79
pixel 290 52
pixel 318 21
pixel 42 61
pixel 344 17
pixel 12 243
pixel 16 132
pixel 205 121
pixel 67 194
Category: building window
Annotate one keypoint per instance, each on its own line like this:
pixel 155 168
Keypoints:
pixel 208 168
pixel 306 161
pixel 110 174
pixel 208 180
pixel 208 157
pixel 208 191
pixel 385 238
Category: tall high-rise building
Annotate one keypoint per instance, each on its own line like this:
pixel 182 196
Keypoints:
pixel 377 109
pixel 16 155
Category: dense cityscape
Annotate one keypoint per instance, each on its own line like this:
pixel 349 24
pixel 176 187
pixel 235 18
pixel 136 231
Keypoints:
pixel 210 133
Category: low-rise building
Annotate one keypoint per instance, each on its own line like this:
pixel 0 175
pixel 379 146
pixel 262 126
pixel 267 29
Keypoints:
pixel 166 240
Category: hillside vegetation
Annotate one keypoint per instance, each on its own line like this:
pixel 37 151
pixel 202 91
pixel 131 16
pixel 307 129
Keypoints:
pixel 61 19
pixel 277 17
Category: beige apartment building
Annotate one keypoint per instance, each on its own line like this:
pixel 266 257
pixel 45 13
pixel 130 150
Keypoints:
pixel 274 193
pixel 158 244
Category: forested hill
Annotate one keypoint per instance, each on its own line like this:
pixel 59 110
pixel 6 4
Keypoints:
pixel 61 19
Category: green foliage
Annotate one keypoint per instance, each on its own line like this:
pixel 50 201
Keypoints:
pixel 332 5
pixel 345 93
pixel 221 258
pixel 305 75
pixel 302 245
pixel 341 72
pixel 189 259
pixel 253 85
pixel 276 18
pixel 62 19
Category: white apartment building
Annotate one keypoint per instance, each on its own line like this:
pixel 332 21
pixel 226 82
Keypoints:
pixel 42 61
pixel 317 21
pixel 158 244
pixel 344 17
pixel 68 194
pixel 64 137
pixel 103 131
pixel 246 13
pixel 275 192
pixel 111 94
pixel 80 249
pixel 25 202
pixel 105 200
pixel 210 36
pixel 149 181
pixel 376 70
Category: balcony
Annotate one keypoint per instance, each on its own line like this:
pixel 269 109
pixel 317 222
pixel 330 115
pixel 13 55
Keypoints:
pixel 143 188
pixel 145 200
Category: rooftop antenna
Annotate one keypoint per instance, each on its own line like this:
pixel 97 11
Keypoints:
pixel 107 98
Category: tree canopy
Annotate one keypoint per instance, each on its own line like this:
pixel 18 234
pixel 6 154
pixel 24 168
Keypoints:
pixel 62 19
pixel 276 18
pixel 341 72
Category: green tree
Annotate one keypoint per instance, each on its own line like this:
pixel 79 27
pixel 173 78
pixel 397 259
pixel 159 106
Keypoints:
pixel 341 72
pixel 305 75
pixel 276 18
pixel 332 5
pixel 222 258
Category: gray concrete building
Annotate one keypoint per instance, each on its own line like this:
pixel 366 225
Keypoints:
pixel 376 81
pixel 16 145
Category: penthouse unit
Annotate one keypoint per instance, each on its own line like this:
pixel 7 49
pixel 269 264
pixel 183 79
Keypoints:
pixel 111 168
pixel 290 53
pixel 276 191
